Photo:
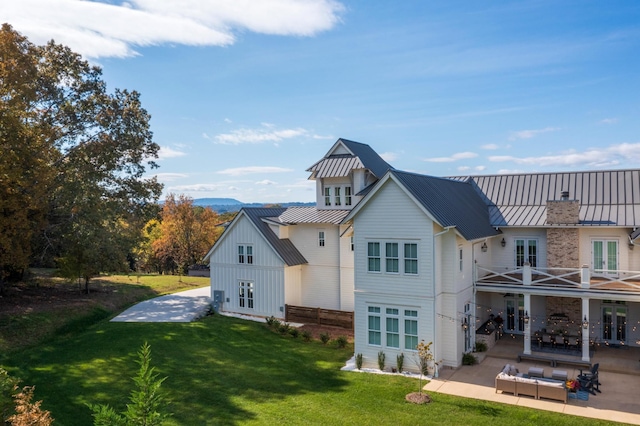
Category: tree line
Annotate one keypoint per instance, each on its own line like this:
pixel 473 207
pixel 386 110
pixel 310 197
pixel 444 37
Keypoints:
pixel 73 191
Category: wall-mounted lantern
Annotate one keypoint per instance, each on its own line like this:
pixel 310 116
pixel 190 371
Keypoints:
pixel 526 317
pixel 503 242
pixel 483 247
pixel 585 323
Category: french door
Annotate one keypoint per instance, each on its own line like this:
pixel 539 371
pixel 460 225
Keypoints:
pixel 614 324
pixel 526 251
pixel 605 257
pixel 514 308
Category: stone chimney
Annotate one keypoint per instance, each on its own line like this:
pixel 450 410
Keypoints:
pixel 562 242
pixel 563 211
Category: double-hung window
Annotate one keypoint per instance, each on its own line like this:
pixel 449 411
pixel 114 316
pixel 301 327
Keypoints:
pixel 374 326
pixel 373 255
pixel 321 240
pixel 327 196
pixel 245 295
pixel 410 329
pixel 393 328
pixel 347 195
pixel 410 258
pixel 391 256
pixel 336 196
pixel 245 254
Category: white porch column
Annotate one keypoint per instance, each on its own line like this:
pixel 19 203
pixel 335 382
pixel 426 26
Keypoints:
pixel 526 274
pixel 527 324
pixel 585 331
pixel 585 277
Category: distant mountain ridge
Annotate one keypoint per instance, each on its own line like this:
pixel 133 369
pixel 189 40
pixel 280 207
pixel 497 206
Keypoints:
pixel 222 205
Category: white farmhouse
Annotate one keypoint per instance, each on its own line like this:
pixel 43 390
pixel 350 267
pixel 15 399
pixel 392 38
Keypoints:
pixel 546 256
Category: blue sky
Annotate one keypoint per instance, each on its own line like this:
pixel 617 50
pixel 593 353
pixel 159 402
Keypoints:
pixel 245 95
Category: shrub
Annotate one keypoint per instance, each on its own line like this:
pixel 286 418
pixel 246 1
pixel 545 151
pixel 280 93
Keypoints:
pixel 294 332
pixel 481 347
pixel 400 362
pixel 307 336
pixel 469 359
pixel 283 328
pixel 341 342
pixel 271 321
pixel 27 412
pixel 381 358
pixel 146 400
pixel 359 361
pixel 324 338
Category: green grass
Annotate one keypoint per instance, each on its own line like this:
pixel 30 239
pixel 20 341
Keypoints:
pixel 54 307
pixel 229 371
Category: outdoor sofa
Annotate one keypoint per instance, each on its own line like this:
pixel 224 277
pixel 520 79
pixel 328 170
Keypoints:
pixel 538 388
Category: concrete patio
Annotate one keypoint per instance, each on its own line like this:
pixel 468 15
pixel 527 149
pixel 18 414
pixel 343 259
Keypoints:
pixel 619 373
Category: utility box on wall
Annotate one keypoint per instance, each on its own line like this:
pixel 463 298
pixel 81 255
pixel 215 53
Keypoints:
pixel 218 299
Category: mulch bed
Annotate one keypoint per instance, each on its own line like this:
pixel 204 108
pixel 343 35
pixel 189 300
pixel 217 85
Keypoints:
pixel 418 398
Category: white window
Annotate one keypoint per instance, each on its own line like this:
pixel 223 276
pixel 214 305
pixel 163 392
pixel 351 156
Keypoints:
pixel 336 194
pixel 393 328
pixel 410 258
pixel 460 265
pixel 327 196
pixel 391 255
pixel 526 251
pixel 245 254
pixel 410 329
pixel 374 326
pixel 321 238
pixel 347 195
pixel 352 245
pixel 373 254
pixel 245 295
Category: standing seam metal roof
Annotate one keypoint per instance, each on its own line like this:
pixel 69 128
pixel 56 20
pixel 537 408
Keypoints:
pixel 283 246
pixel 451 203
pixel 606 197
pixel 340 165
pixel 294 215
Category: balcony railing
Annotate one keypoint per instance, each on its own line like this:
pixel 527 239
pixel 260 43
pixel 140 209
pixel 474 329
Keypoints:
pixel 567 278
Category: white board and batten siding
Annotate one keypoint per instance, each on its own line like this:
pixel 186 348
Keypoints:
pixel 320 280
pixel 391 216
pixel 267 273
pixel 346 272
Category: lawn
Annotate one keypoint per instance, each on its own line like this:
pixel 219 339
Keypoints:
pixel 228 371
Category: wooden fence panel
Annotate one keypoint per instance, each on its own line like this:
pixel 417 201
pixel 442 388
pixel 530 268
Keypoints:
pixel 318 316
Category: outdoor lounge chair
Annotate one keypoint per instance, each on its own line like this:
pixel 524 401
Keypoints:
pixel 589 380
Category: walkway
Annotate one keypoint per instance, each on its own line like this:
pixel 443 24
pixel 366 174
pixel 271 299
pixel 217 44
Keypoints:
pixel 619 375
pixel 184 306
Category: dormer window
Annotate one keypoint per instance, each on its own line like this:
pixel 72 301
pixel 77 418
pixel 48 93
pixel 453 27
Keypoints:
pixel 347 195
pixel 327 196
pixel 337 195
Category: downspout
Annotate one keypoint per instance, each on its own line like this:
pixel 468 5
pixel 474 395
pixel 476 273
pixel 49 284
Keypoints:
pixel 433 281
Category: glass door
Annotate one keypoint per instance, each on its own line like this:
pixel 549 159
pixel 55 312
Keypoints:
pixel 605 257
pixel 514 308
pixel 614 324
pixel 526 251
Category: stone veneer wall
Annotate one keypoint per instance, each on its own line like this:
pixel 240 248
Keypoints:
pixel 563 212
pixel 563 248
pixel 571 307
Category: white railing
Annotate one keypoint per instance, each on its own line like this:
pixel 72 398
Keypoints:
pixel 578 278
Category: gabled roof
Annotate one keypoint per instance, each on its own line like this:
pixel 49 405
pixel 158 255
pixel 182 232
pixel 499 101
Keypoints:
pixel 607 198
pixel 284 248
pixel 449 202
pixel 346 155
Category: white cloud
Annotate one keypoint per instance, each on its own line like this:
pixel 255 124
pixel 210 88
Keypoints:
pixel 389 156
pixel 480 168
pixel 454 157
pixel 464 168
pixel 490 146
pixel 528 134
pixel 170 177
pixel 167 152
pixel 592 157
pixel 240 171
pixel 609 121
pixel 115 28
pixel 240 136
pixel 266 182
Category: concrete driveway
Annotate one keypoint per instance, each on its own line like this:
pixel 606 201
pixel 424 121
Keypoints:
pixel 184 306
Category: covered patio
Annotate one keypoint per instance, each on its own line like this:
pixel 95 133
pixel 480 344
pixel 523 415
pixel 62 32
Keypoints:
pixel 619 373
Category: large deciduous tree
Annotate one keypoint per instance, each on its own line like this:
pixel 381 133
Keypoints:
pixel 187 232
pixel 80 155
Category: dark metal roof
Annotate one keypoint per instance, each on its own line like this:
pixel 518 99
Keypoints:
pixel 450 202
pixel 606 197
pixel 283 246
pixel 340 165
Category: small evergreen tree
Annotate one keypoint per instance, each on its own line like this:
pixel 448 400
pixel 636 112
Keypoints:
pixel 145 401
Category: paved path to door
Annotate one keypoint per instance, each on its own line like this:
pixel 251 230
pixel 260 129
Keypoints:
pixel 184 306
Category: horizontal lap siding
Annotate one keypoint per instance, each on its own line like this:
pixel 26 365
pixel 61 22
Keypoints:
pixel 391 215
